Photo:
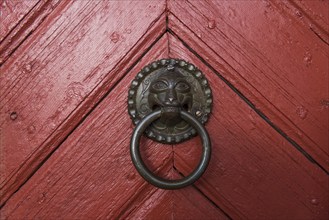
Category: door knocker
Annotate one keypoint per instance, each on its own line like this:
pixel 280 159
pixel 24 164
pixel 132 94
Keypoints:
pixel 169 100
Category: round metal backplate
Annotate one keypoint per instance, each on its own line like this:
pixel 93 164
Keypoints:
pixel 140 103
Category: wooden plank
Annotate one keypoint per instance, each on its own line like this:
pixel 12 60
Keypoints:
pixel 12 12
pixel 91 174
pixel 254 173
pixel 187 203
pixel 313 14
pixel 29 20
pixel 56 77
pixel 273 60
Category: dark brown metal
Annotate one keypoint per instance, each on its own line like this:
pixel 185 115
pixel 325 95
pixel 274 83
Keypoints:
pixel 170 85
pixel 158 181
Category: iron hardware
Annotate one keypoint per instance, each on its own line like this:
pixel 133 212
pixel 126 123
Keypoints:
pixel 169 101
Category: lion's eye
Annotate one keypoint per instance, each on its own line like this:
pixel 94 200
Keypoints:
pixel 160 86
pixel 182 86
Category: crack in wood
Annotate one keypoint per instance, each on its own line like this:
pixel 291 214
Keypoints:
pixel 20 21
pixel 252 106
pixel 83 118
pixel 25 28
pixel 227 82
pixel 247 59
pixel 319 36
pixel 313 25
pixel 140 197
pixel 204 195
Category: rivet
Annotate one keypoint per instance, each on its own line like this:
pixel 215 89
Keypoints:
pixel 182 63
pixel 198 74
pixel 211 24
pixel 191 67
pixel 198 113
pixel 299 14
pixel 31 129
pixel 163 62
pixel 13 116
pixel 302 112
pixel 115 37
pixel 314 201
pixel 170 67
pixel 154 65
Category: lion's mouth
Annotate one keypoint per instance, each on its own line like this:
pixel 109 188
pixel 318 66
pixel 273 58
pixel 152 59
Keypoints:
pixel 170 108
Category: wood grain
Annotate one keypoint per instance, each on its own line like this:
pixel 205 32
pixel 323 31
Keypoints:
pixel 187 203
pixel 65 130
pixel 12 12
pixel 31 15
pixel 313 14
pixel 272 59
pixel 254 173
pixel 61 72
pixel 91 174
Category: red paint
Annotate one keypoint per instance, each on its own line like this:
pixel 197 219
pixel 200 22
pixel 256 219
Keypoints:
pixel 273 59
pixel 16 29
pixel 58 88
pixel 186 203
pixel 12 12
pixel 251 163
pixel 64 92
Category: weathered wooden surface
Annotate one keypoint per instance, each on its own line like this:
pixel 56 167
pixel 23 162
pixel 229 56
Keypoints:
pixel 187 203
pixel 91 175
pixel 276 62
pixel 12 12
pixel 59 74
pixel 313 14
pixel 99 146
pixel 64 91
pixel 251 164
pixel 24 17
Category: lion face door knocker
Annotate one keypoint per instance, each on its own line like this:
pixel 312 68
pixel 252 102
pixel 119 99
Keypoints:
pixel 169 100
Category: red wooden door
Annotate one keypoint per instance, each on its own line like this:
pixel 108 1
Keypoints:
pixel 66 67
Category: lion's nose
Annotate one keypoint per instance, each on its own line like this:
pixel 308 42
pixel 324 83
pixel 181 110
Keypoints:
pixel 171 95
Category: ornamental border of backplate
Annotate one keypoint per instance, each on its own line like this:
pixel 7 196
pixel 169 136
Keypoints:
pixel 168 64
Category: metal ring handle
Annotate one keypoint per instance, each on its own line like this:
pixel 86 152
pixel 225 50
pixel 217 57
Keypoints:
pixel 158 181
